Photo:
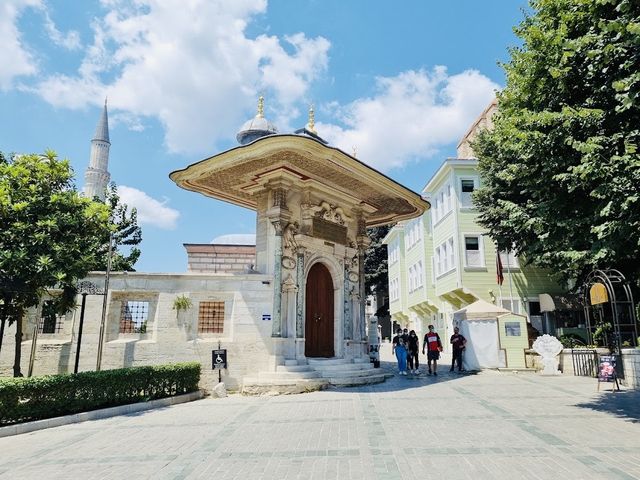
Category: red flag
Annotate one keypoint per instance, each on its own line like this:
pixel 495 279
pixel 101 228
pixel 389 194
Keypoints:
pixel 499 275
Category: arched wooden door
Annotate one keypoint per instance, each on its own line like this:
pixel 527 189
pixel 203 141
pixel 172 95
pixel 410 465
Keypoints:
pixel 319 313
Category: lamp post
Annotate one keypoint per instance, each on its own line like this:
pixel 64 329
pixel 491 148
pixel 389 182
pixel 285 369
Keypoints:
pixel 104 304
pixel 84 288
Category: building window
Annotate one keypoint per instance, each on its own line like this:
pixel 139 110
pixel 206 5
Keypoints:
pixel 473 251
pixel 512 329
pixel 415 276
pixel 444 258
pixel 467 186
pixel 211 317
pixel 414 233
pixel 394 252
pixel 511 304
pixel 509 260
pixel 50 321
pixel 134 316
pixel 443 203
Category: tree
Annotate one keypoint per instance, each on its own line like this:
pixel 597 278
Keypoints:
pixel 126 232
pixel 560 169
pixel 376 272
pixel 50 236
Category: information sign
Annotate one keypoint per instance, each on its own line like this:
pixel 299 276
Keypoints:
pixel 219 359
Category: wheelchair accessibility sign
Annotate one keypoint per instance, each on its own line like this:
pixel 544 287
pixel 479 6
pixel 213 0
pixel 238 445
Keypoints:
pixel 219 359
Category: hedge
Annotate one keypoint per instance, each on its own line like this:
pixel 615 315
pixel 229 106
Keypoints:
pixel 26 399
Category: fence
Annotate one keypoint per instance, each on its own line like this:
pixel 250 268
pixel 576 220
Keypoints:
pixel 585 362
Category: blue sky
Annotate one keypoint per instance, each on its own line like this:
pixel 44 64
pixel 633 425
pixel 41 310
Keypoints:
pixel 399 82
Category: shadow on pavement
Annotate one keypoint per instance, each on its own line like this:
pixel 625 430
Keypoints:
pixel 405 382
pixel 624 404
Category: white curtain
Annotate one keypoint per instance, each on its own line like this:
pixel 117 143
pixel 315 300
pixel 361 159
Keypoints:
pixel 482 344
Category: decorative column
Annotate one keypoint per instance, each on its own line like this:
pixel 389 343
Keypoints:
pixel 348 322
pixel 276 325
pixel 354 300
pixel 363 242
pixel 289 289
pixel 279 217
pixel 300 293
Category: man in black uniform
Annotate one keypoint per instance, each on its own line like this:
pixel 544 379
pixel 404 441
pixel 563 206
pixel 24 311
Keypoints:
pixel 458 343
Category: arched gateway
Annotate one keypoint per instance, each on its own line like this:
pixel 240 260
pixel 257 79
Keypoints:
pixel 313 203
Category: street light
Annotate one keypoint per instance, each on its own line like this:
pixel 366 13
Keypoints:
pixel 104 303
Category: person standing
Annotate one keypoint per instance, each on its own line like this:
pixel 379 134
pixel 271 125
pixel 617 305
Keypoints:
pixel 413 345
pixel 434 346
pixel 399 349
pixel 458 343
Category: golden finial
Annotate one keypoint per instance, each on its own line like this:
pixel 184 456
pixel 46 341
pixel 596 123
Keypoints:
pixel 260 107
pixel 312 120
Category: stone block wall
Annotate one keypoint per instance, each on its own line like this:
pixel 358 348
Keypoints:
pixel 170 336
pixel 220 258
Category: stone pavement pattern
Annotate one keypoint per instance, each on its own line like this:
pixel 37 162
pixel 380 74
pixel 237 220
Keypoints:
pixel 486 426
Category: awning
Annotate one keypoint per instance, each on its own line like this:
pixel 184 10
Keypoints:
pixel 551 303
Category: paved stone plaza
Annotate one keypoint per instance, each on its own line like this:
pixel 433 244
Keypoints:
pixel 490 425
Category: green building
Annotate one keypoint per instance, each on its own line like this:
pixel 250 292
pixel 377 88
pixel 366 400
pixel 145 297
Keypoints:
pixel 444 261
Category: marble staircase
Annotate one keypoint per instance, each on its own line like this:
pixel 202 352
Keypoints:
pixel 316 374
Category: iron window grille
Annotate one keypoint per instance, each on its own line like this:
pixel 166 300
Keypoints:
pixel 50 320
pixel 211 317
pixel 134 316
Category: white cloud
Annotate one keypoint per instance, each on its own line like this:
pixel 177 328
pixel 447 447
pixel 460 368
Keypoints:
pixel 411 116
pixel 70 41
pixel 15 59
pixel 150 211
pixel 191 65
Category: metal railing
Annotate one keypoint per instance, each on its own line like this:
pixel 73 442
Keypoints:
pixel 585 362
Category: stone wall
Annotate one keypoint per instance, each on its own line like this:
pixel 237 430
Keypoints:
pixel 170 336
pixel 630 364
pixel 217 258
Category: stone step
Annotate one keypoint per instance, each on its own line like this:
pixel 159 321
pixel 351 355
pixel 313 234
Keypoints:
pixel 256 381
pixel 361 360
pixel 327 361
pixel 291 363
pixel 346 367
pixel 350 373
pixel 293 368
pixel 353 381
pixel 275 376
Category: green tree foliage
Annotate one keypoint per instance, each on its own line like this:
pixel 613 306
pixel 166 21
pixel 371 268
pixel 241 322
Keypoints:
pixel 50 235
pixel 126 233
pixel 560 169
pixel 376 272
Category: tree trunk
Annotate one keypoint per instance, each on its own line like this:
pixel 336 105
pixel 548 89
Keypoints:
pixel 4 320
pixel 16 364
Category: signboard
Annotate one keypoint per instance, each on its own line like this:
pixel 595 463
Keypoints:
pixel 219 359
pixel 329 231
pixel 607 368
pixel 598 294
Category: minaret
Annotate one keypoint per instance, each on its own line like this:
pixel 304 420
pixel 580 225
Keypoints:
pixel 96 178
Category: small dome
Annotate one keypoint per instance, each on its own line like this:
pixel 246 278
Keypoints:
pixel 256 127
pixel 235 239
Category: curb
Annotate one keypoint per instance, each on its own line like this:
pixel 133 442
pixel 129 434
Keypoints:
pixel 27 427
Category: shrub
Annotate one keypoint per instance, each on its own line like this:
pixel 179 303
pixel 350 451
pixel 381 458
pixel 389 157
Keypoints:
pixel 26 399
